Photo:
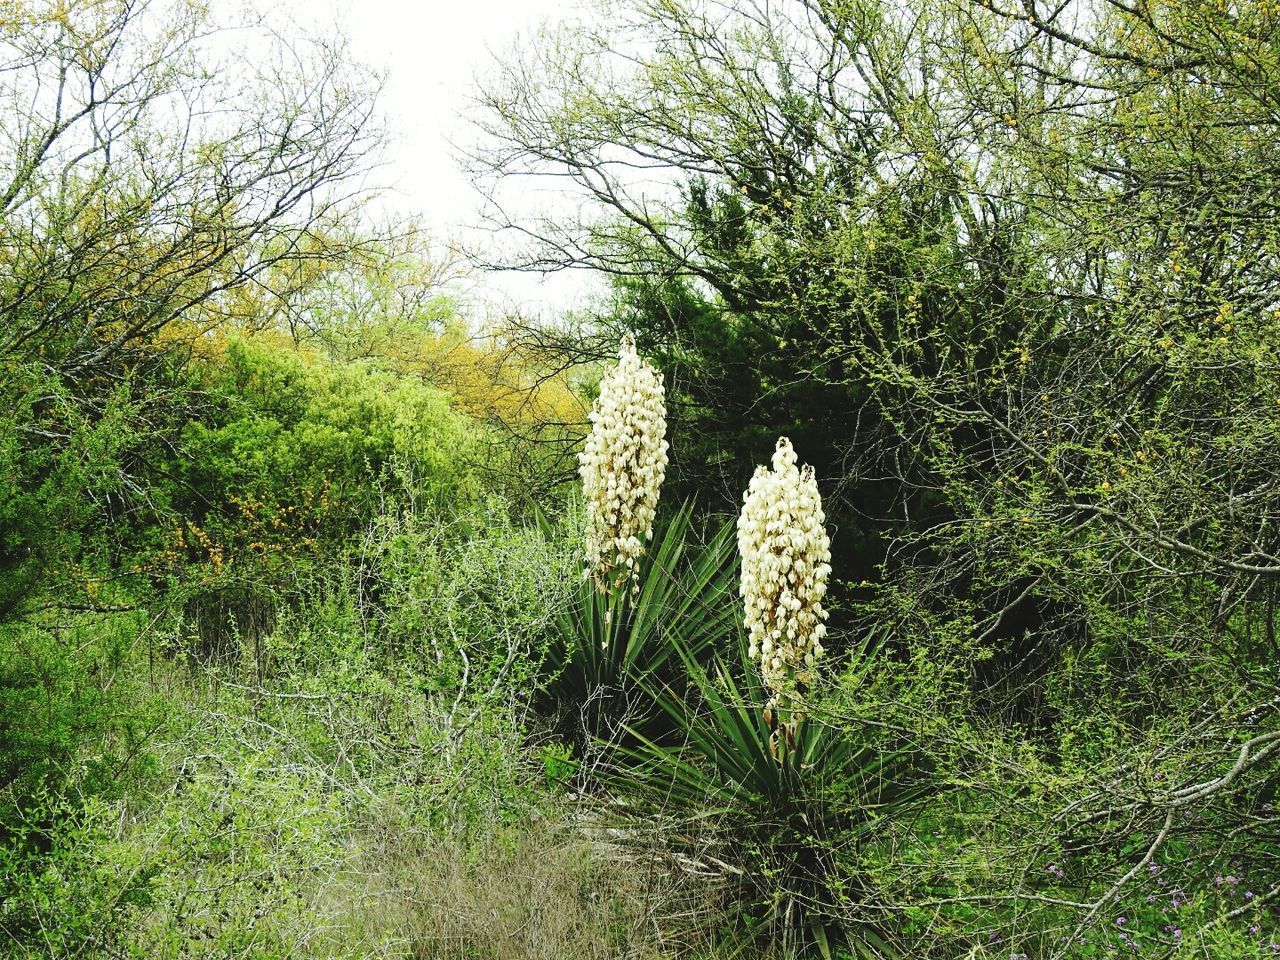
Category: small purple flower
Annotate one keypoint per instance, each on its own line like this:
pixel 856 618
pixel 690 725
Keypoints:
pixel 1056 870
pixel 1121 921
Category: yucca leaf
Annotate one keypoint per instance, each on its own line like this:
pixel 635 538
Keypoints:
pixel 723 768
pixel 605 642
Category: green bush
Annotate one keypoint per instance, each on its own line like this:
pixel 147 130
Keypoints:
pixel 245 854
pixel 297 448
pixel 79 897
pixel 467 601
pixel 68 509
pixel 285 465
pixel 790 812
pixel 77 736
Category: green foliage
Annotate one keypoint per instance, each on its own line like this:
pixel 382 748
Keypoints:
pixel 282 675
pixel 54 496
pixel 1008 272
pixel 297 448
pixel 290 462
pixel 558 763
pixel 79 898
pixel 794 809
pixel 409 668
pixel 467 602
pixel 136 209
pixel 228 882
pixel 71 709
pixel 606 644
pixel 77 734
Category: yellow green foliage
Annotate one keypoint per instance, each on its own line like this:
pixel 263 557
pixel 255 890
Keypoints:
pixel 301 448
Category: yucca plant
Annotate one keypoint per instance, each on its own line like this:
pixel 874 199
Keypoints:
pixel 606 644
pixel 788 817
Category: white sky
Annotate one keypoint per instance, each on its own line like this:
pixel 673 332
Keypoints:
pixel 431 51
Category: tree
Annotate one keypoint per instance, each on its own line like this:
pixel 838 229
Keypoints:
pixel 783 182
pixel 151 173
pixel 1009 272
pixel 401 309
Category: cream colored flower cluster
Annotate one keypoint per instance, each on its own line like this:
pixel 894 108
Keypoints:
pixel 623 466
pixel 786 560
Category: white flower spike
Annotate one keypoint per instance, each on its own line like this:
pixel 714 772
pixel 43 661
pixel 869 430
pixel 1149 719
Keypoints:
pixel 622 467
pixel 786 561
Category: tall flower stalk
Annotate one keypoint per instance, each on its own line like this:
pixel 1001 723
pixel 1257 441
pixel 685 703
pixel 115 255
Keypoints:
pixel 786 561
pixel 622 468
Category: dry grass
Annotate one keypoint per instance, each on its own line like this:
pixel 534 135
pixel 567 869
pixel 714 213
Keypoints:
pixel 537 891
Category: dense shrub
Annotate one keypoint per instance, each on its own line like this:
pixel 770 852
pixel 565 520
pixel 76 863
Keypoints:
pixel 78 735
pixel 297 449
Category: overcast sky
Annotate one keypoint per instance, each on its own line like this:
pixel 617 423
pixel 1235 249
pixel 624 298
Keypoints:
pixel 431 51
